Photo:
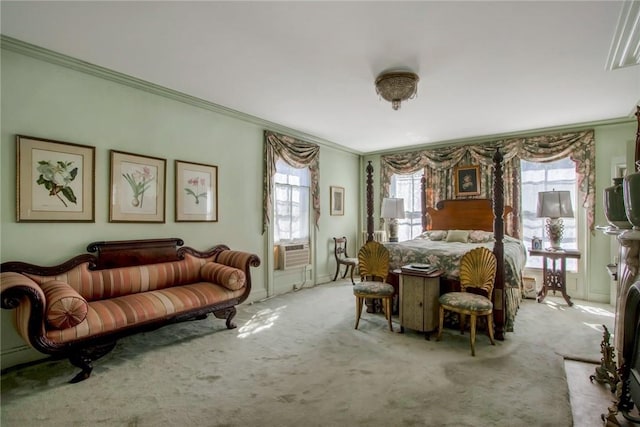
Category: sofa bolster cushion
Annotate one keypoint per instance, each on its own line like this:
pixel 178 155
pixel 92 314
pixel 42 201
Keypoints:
pixel 66 308
pixel 229 277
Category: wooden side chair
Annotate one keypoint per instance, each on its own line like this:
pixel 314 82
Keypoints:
pixel 373 263
pixel 477 275
pixel 340 252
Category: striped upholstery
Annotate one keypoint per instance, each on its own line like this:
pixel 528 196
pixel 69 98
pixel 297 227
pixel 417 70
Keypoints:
pixel 136 309
pixel 21 318
pixel 237 259
pixel 124 297
pixel 116 282
pixel 229 277
pixel 65 307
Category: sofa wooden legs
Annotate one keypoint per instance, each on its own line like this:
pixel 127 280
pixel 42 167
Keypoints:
pixel 83 362
pixel 229 314
pixel 84 357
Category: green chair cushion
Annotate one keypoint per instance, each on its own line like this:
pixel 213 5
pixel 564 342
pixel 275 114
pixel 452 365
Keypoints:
pixel 465 300
pixel 373 288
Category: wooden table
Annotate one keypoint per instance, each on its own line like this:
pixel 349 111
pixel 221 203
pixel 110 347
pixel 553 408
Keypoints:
pixel 419 293
pixel 554 276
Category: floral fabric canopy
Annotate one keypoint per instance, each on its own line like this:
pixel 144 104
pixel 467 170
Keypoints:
pixel 439 164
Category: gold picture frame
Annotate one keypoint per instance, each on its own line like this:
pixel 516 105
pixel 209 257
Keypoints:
pixel 337 200
pixel 467 180
pixel 137 188
pixel 55 181
pixel 196 192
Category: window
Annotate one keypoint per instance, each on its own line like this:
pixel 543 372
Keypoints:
pixel 536 177
pixel 408 187
pixel 291 203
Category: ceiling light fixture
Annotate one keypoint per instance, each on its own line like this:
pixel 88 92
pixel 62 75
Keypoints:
pixel 397 86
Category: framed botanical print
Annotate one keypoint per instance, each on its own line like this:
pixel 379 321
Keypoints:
pixel 55 181
pixel 196 192
pixel 337 201
pixel 137 188
pixel 467 180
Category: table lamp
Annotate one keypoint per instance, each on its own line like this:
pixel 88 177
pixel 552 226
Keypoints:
pixel 554 205
pixel 392 209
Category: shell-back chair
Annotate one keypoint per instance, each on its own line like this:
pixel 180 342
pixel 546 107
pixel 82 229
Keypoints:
pixel 477 273
pixel 373 264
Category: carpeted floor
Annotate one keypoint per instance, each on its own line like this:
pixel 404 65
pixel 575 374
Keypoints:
pixel 296 360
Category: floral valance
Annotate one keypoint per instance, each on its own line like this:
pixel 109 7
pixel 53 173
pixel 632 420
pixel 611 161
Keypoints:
pixel 438 165
pixel 296 153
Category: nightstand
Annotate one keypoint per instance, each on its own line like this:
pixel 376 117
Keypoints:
pixel 419 293
pixel 554 273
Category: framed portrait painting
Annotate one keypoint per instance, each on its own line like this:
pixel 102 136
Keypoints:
pixel 55 181
pixel 137 188
pixel 196 192
pixel 536 244
pixel 467 180
pixel 337 201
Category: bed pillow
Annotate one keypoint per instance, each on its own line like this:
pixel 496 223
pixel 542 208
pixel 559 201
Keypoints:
pixel 461 236
pixel 436 235
pixel 480 236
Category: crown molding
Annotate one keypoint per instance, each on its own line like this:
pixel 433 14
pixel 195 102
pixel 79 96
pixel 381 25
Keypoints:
pixel 50 56
pixel 625 46
pixel 576 127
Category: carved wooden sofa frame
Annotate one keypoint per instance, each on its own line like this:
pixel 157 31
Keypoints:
pixel 31 306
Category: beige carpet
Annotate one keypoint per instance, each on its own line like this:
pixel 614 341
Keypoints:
pixel 296 360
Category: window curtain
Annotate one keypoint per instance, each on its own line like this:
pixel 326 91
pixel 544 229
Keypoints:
pixel 296 153
pixel 439 165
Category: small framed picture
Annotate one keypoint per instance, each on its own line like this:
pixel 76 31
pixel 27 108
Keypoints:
pixel 337 201
pixel 137 186
pixel 536 244
pixel 55 181
pixel 467 180
pixel 196 192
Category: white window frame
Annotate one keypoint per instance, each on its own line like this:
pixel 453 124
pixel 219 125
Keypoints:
pixel 408 187
pixel 533 226
pixel 295 207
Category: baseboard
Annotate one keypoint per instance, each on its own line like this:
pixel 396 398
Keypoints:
pixel 601 298
pixel 257 295
pixel 18 356
pixel 325 278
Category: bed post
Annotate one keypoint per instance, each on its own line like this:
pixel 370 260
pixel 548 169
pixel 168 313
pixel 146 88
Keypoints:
pixel 369 202
pixel 637 156
pixel 423 202
pixel 499 311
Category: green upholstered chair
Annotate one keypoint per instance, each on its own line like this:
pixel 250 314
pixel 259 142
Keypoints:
pixel 477 277
pixel 373 264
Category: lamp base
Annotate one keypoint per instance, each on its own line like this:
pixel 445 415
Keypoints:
pixel 555 228
pixel 393 230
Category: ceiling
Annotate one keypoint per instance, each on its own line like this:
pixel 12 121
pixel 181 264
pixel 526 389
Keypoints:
pixel 486 68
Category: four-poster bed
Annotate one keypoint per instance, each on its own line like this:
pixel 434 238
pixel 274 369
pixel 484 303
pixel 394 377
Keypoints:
pixel 481 215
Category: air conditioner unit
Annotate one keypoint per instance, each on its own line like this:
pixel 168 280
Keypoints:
pixel 293 255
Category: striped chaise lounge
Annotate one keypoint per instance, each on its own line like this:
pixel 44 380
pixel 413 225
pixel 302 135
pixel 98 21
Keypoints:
pixel 79 309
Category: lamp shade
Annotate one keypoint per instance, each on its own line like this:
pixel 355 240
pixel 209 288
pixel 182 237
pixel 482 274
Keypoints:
pixel 555 204
pixel 392 208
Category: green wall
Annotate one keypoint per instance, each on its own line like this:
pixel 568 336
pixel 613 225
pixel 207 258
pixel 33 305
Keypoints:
pixel 47 99
pixel 48 96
